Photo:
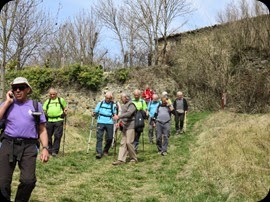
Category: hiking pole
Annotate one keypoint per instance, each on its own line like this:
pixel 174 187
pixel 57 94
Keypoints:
pixel 142 142
pixel 90 133
pixel 185 122
pixel 114 141
pixel 113 145
pixel 64 134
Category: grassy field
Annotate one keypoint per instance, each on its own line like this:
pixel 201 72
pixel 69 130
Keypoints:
pixel 222 157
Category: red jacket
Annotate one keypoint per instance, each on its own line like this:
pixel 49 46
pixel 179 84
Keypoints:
pixel 147 94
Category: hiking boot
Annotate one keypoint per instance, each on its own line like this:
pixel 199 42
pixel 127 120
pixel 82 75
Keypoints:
pixel 177 132
pixel 181 131
pixel 54 154
pixel 133 161
pixel 105 153
pixel 98 156
pixel 159 152
pixel 164 153
pixel 118 162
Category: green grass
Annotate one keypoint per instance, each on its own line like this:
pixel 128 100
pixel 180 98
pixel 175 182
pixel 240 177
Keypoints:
pixel 187 173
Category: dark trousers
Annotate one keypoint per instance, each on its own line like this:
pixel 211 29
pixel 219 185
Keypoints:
pixel 137 140
pixel 101 128
pixel 179 119
pixel 25 155
pixel 54 129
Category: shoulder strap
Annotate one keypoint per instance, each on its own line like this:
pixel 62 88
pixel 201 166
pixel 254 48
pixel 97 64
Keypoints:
pixel 47 106
pixel 59 100
pixel 100 106
pixel 112 107
pixel 37 118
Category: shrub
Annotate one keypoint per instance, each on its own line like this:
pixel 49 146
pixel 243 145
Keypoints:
pixel 122 74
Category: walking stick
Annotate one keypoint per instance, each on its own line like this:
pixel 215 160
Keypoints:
pixel 64 134
pixel 185 122
pixel 142 142
pixel 90 133
pixel 115 142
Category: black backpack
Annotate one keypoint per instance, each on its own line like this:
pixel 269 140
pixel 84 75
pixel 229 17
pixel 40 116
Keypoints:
pixel 140 115
pixel 139 120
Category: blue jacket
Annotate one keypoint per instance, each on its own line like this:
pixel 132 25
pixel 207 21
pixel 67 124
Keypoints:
pixel 105 112
pixel 152 108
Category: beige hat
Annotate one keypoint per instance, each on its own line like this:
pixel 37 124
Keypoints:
pixel 164 93
pixel 21 80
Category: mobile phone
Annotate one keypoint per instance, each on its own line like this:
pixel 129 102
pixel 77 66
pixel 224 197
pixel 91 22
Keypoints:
pixel 11 95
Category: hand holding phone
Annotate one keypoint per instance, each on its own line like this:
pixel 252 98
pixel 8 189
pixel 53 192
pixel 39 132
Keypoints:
pixel 10 94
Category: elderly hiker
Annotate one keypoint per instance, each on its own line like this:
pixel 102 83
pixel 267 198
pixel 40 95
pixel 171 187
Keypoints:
pixel 151 110
pixel 127 126
pixel 104 111
pixel 55 109
pixel 180 107
pixel 20 140
pixel 162 119
pixel 165 94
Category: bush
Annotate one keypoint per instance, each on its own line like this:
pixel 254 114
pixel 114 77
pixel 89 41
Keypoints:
pixel 122 74
pixel 41 79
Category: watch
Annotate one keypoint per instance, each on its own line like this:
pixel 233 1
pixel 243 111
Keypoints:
pixel 46 148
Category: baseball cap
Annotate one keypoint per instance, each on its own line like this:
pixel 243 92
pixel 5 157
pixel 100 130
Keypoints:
pixel 21 80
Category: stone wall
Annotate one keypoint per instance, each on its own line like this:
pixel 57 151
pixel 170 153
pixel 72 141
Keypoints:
pixel 84 101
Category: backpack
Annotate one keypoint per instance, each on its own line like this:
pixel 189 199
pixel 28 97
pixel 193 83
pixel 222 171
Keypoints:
pixel 61 105
pixel 139 119
pixel 37 120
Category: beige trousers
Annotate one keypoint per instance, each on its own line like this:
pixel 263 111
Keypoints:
pixel 126 146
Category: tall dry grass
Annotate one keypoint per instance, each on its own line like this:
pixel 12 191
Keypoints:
pixel 232 154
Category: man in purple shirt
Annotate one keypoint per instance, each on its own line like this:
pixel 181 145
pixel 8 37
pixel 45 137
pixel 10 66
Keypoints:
pixel 20 139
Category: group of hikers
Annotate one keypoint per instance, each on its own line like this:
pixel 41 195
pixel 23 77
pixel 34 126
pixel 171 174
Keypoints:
pixel 29 127
pixel 129 117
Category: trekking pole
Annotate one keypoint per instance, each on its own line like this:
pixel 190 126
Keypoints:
pixel 90 133
pixel 185 122
pixel 142 142
pixel 64 134
pixel 113 140
pixel 115 144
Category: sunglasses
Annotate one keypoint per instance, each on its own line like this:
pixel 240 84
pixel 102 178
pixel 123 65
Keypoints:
pixel 21 88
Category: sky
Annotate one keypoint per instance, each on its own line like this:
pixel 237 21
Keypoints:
pixel 205 14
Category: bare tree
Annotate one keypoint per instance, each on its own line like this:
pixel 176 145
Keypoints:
pixel 171 10
pixel 8 24
pixel 31 31
pixel 76 41
pixel 112 17
pixel 155 19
